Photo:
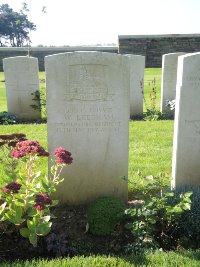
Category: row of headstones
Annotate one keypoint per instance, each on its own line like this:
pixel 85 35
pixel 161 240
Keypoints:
pixel 22 86
pixel 88 96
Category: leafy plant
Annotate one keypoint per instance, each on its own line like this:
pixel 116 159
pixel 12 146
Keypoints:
pixel 25 199
pixel 190 221
pixel 7 118
pixel 103 215
pixel 154 222
pixel 152 114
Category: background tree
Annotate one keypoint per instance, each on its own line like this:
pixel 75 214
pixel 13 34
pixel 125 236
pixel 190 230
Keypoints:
pixel 14 27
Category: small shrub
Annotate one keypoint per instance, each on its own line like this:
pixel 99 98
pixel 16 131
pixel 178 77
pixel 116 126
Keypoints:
pixel 7 118
pixel 190 222
pixel 155 222
pixel 103 215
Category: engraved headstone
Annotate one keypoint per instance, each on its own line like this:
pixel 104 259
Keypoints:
pixel 88 114
pixel 137 65
pixel 186 145
pixel 168 82
pixel 22 81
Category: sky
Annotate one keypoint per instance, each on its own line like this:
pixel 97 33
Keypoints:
pixel 92 22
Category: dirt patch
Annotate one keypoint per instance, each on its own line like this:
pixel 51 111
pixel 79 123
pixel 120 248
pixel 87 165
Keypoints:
pixel 69 236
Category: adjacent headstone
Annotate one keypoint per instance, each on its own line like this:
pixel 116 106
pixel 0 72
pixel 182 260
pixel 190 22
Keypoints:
pixel 22 81
pixel 186 146
pixel 137 65
pixel 88 114
pixel 168 82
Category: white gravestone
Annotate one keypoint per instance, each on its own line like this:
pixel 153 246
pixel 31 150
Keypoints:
pixel 22 81
pixel 137 65
pixel 168 82
pixel 186 146
pixel 88 114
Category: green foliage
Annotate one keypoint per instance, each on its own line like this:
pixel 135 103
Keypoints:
pixel 190 221
pixel 14 27
pixel 156 219
pixel 7 118
pixel 103 215
pixel 153 115
pixel 149 185
pixel 25 199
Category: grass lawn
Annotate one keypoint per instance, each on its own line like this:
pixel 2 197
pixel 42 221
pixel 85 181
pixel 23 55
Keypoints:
pixel 157 259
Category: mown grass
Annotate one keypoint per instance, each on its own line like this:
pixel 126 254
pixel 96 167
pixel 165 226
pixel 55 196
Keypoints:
pixel 33 132
pixel 150 149
pixel 157 259
pixel 150 145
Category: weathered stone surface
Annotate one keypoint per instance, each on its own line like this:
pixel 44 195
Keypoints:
pixel 186 146
pixel 137 65
pixel 22 80
pixel 88 114
pixel 168 82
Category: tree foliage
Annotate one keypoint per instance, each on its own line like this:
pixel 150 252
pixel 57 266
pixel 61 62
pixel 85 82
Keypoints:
pixel 14 27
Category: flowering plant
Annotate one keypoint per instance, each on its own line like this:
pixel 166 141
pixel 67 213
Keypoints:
pixel 26 198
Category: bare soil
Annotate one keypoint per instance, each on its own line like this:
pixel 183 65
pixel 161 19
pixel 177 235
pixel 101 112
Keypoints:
pixel 72 238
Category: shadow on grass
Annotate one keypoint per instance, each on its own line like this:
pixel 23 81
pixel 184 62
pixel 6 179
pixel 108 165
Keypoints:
pixel 136 260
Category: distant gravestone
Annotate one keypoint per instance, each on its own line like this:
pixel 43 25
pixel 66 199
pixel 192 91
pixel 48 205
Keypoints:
pixel 186 146
pixel 137 65
pixel 168 82
pixel 88 114
pixel 22 81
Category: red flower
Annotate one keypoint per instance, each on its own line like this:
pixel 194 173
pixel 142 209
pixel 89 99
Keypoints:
pixel 13 187
pixel 63 156
pixel 27 147
pixel 16 154
pixel 43 199
pixel 6 136
pixel 39 207
pixel 12 139
pixel 5 190
pixel 19 136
